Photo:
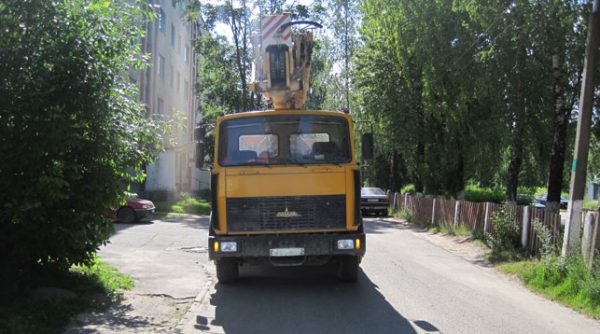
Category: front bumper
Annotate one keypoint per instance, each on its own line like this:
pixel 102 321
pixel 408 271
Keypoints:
pixel 143 213
pixel 260 246
pixel 374 206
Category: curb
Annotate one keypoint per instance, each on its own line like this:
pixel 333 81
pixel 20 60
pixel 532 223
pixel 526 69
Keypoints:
pixel 197 302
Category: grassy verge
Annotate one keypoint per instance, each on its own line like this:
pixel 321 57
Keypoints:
pixel 564 280
pixel 185 205
pixel 401 214
pixel 451 229
pixel 49 310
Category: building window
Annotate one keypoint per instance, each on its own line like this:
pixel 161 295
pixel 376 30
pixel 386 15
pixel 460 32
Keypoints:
pixel 178 81
pixel 160 71
pixel 160 106
pixel 178 44
pixel 186 56
pixel 172 35
pixel 171 75
pixel 186 88
pixel 162 21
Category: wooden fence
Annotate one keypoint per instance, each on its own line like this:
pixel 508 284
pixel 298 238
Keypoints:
pixel 477 217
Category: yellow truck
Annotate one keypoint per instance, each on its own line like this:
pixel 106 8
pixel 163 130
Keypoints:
pixel 285 182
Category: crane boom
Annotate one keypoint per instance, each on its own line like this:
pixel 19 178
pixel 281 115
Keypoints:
pixel 281 68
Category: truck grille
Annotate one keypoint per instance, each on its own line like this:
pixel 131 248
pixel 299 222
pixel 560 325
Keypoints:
pixel 286 213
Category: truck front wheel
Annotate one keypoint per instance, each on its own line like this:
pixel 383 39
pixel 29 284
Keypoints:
pixel 227 270
pixel 348 269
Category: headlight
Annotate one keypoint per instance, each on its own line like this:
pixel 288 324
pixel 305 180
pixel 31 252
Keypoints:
pixel 228 246
pixel 345 244
pixel 147 206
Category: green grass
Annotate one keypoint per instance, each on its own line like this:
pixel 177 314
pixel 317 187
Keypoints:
pixel 402 214
pixel 451 229
pixel 95 287
pixel 565 280
pixel 501 257
pixel 185 205
pixel 103 275
pixel 590 204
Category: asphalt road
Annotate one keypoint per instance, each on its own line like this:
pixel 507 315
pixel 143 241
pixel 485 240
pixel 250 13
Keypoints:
pixel 407 285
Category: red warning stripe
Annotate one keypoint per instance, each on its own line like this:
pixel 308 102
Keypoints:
pixel 269 32
pixel 287 36
pixel 269 20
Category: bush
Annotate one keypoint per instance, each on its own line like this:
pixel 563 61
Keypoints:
pixel 507 234
pixel 474 193
pixel 544 234
pixel 72 133
pixel 408 189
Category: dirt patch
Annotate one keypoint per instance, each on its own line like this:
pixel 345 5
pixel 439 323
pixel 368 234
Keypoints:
pixel 135 313
pixel 466 247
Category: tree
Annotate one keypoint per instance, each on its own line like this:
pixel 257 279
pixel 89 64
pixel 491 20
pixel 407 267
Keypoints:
pixel 448 87
pixel 72 134
pixel 567 62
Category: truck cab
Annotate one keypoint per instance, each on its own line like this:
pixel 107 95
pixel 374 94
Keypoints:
pixel 285 188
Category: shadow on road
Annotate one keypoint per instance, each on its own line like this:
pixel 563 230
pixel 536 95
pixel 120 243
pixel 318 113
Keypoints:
pixel 120 226
pixel 301 300
pixel 116 318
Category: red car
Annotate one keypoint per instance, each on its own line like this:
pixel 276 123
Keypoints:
pixel 133 210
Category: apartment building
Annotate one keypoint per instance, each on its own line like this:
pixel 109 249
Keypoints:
pixel 167 89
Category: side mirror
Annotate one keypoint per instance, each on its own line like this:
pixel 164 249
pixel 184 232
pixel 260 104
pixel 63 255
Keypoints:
pixel 200 155
pixel 367 147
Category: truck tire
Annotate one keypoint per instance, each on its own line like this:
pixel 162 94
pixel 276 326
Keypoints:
pixel 348 269
pixel 227 270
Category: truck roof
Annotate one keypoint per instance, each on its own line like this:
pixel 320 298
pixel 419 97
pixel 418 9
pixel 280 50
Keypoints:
pixel 270 112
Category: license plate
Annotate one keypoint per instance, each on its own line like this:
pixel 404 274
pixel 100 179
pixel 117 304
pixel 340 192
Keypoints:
pixel 373 200
pixel 286 251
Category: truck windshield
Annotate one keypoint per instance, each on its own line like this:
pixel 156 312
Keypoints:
pixel 285 139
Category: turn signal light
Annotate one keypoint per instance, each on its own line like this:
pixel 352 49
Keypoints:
pixel 356 243
pixel 216 246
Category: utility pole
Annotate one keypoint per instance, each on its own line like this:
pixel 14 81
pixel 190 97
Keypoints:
pixel 346 54
pixel 582 140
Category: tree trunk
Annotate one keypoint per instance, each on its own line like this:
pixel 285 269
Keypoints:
pixel 519 111
pixel 419 166
pixel 460 173
pixel 557 160
pixel 516 159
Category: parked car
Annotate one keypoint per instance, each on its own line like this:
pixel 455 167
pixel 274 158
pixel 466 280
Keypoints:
pixel 133 210
pixel 373 200
pixel 540 201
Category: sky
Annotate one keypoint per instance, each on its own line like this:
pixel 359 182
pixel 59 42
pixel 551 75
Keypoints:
pixel 224 29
